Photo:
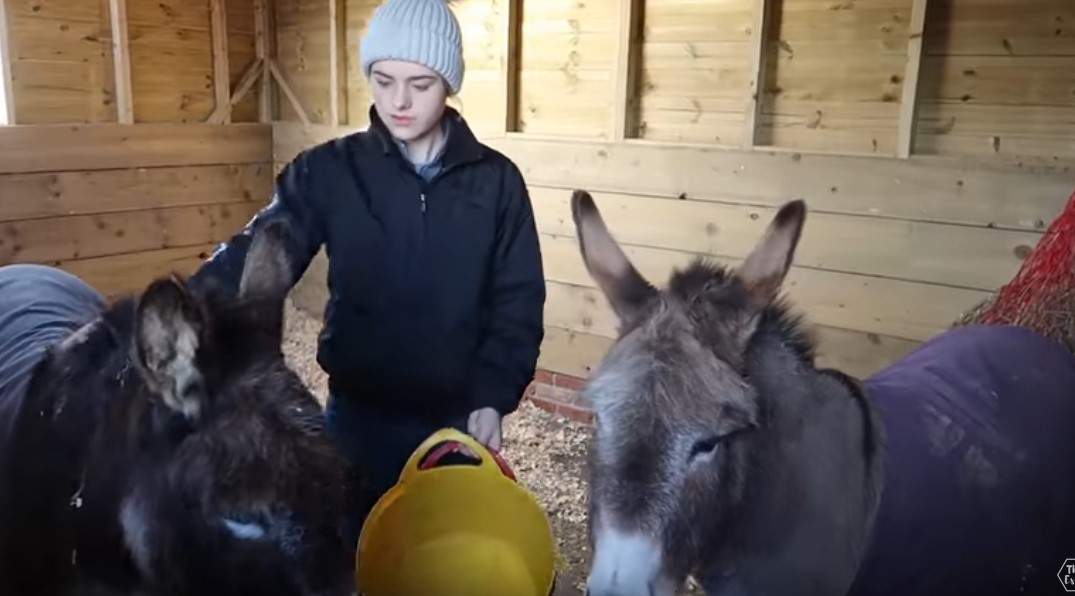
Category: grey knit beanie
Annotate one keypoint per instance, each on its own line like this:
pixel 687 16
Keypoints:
pixel 422 31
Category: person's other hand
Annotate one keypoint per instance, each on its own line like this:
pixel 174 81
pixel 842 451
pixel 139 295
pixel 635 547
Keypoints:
pixel 484 425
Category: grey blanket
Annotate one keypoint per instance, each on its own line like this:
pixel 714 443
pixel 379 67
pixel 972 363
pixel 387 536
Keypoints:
pixel 39 306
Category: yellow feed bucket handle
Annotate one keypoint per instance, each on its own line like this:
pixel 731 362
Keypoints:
pixel 489 460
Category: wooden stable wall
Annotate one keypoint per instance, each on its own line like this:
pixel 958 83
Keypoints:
pixel 989 78
pixel 893 251
pixel 933 141
pixel 63 56
pixel 120 204
pixel 110 169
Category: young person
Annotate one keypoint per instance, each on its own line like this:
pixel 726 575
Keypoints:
pixel 435 313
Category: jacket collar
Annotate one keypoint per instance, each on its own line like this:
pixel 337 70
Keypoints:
pixel 461 147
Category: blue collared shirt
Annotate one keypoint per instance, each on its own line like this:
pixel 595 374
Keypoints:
pixel 429 169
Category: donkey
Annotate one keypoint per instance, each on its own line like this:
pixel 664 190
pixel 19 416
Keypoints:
pixel 724 452
pixel 164 447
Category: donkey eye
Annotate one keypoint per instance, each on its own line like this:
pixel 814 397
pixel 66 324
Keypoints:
pixel 704 446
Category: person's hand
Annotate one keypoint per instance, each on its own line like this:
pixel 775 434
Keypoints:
pixel 484 425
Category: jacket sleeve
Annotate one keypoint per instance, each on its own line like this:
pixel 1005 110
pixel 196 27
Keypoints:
pixel 291 201
pixel 508 354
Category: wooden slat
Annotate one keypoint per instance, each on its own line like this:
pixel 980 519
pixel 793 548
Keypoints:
pixel 919 189
pixel 758 65
pixel 8 84
pixel 571 353
pixel 83 236
pixel 121 58
pixel 303 37
pixel 120 274
pixel 923 188
pixel 812 67
pixel 288 91
pixel 511 62
pixel 585 311
pixel 188 16
pixel 867 303
pixel 976 28
pixel 960 256
pixel 568 99
pixel 42 195
pixel 290 138
pixel 334 21
pixel 627 69
pixel 251 75
pixel 58 148
pixel 221 73
pixel 262 33
pixel 909 100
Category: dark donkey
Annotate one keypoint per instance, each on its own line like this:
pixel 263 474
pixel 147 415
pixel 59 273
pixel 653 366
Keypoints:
pixel 164 447
pixel 724 452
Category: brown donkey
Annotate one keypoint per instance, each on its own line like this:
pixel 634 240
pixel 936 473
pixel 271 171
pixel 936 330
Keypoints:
pixel 723 451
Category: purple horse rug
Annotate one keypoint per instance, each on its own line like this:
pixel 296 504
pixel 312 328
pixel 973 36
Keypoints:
pixel 980 471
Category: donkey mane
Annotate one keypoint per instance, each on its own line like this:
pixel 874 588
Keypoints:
pixel 779 319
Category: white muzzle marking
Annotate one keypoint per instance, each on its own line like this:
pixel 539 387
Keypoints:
pixel 245 531
pixel 627 565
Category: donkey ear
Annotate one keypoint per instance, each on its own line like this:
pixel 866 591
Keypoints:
pixel 267 270
pixel 764 270
pixel 622 284
pixel 169 331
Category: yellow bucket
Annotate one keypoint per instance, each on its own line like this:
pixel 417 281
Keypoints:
pixel 456 530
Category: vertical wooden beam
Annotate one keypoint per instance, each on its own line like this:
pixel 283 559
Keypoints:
pixel 759 39
pixel 5 69
pixel 511 25
pixel 121 58
pixel 628 56
pixel 221 72
pixel 334 62
pixel 909 102
pixel 262 31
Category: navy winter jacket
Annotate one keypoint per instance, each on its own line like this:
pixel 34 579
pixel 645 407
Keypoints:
pixel 436 288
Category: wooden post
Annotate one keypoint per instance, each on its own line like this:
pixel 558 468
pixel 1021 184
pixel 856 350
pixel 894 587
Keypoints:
pixel 262 31
pixel 511 22
pixel 758 40
pixel 628 28
pixel 221 73
pixel 122 60
pixel 334 62
pixel 5 69
pixel 909 102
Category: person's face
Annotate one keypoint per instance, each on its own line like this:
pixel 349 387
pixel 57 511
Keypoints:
pixel 409 97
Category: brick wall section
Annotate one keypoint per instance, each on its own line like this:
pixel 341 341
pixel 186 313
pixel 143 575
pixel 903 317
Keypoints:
pixel 560 394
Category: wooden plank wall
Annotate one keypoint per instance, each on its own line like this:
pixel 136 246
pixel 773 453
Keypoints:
pixel 109 171
pixel 931 161
pixel 998 79
pixel 994 80
pixel 120 204
pixel 304 54
pixel 893 251
pixel 62 60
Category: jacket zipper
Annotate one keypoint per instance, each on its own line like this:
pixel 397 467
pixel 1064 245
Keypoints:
pixel 422 197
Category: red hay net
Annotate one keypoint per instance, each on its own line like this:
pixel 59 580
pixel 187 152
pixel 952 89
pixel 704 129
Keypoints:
pixel 1042 294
